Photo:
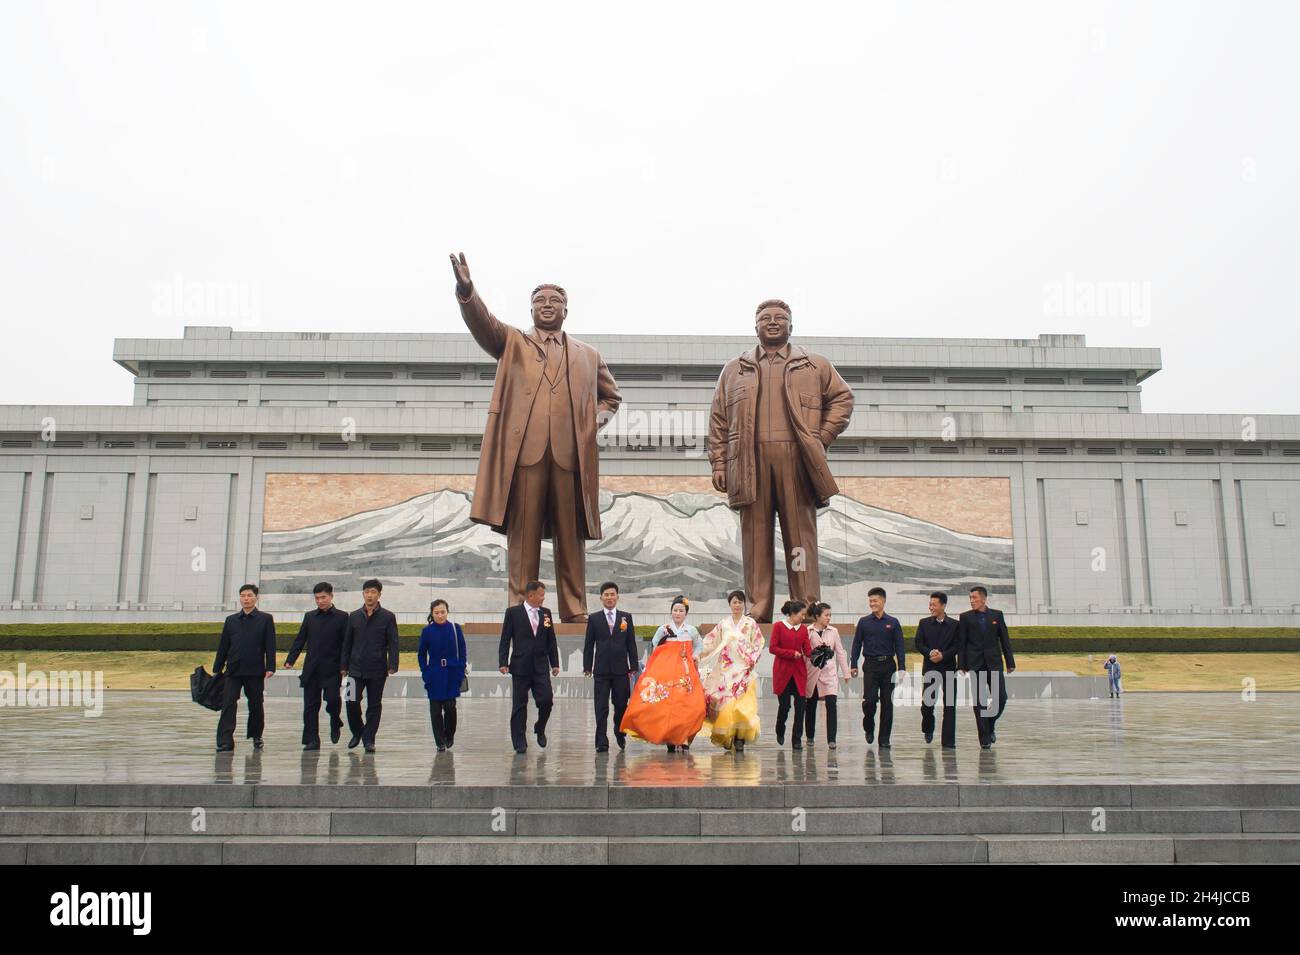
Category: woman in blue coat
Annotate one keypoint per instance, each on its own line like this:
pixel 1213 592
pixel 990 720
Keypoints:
pixel 442 658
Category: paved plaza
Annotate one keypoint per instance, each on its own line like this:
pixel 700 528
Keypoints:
pixel 162 737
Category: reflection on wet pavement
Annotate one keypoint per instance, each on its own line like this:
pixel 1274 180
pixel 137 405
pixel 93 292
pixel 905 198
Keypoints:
pixel 164 737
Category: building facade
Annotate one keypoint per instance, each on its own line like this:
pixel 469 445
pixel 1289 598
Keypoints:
pixel 288 458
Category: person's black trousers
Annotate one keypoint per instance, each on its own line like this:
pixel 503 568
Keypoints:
pixel 539 684
pixel 989 690
pixel 620 689
pixel 939 684
pixel 373 688
pixel 252 687
pixel 787 696
pixel 442 714
pixel 878 687
pixel 312 693
pixel 810 715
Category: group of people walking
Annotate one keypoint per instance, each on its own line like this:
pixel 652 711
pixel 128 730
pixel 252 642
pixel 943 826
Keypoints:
pixel 688 684
pixel 691 684
pixel 350 656
pixel 977 642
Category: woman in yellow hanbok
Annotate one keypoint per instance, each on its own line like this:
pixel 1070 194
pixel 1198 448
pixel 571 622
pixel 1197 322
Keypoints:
pixel 727 661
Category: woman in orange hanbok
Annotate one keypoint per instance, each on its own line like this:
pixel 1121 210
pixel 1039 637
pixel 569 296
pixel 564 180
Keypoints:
pixel 667 704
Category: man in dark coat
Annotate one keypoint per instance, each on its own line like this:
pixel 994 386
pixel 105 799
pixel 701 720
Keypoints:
pixel 247 653
pixel 527 645
pixel 609 653
pixel 936 641
pixel 369 658
pixel 322 633
pixel 982 642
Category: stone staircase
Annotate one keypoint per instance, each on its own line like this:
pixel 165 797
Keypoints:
pixel 105 823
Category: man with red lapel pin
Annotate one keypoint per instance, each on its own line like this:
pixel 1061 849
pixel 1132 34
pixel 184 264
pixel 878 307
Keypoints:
pixel 982 643
pixel 879 638
pixel 609 652
pixel 528 645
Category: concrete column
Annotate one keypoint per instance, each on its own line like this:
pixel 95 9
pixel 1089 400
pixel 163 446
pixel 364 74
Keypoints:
pixel 137 512
pixel 1237 595
pixel 1029 541
pixel 1134 533
pixel 32 526
pixel 256 512
pixel 1020 554
pixel 241 570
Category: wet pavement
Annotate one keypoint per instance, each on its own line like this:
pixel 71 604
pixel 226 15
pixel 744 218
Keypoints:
pixel 162 737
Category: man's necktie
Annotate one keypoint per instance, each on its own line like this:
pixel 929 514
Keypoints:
pixel 552 357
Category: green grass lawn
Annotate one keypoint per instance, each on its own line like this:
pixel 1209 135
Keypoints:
pixel 1179 671
pixel 170 670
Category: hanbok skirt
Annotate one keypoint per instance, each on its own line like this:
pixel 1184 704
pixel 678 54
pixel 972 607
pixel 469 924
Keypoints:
pixel 736 719
pixel 667 703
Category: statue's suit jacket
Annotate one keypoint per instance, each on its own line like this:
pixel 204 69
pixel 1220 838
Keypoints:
pixel 520 380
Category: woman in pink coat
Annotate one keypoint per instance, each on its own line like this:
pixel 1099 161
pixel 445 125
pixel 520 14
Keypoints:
pixel 823 682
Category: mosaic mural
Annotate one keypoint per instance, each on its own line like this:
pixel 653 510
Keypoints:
pixel 663 535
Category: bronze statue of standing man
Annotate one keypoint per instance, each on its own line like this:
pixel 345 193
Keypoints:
pixel 775 412
pixel 537 473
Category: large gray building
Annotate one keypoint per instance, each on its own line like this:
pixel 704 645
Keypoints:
pixel 284 458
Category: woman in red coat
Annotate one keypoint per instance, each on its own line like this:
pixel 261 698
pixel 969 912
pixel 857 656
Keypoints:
pixel 789 644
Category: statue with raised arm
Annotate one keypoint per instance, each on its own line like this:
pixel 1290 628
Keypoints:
pixel 776 410
pixel 537 474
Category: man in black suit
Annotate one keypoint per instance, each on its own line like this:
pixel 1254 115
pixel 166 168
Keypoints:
pixel 936 641
pixel 322 633
pixel 609 652
pixel 982 642
pixel 527 646
pixel 369 658
pixel 247 652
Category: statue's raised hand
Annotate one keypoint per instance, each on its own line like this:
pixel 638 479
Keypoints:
pixel 461 268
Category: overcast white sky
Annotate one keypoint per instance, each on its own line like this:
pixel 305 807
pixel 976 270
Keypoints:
pixel 922 169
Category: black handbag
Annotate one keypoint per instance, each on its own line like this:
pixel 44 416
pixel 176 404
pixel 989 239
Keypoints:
pixel 207 690
pixel 464 675
pixel 822 655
